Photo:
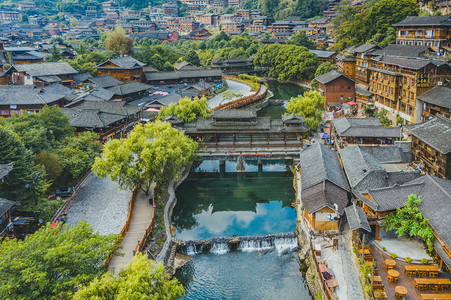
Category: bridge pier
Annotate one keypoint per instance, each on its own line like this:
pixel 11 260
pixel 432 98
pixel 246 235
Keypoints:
pixel 222 167
pixel 260 165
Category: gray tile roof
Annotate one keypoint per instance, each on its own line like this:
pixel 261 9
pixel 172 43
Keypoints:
pixel 318 164
pixel 362 170
pixel 82 77
pixel 177 75
pixel 385 154
pixel 234 114
pixel 435 201
pixel 5 169
pixel 126 62
pixel 435 132
pixel 57 88
pixel 129 88
pixel 46 69
pixel 5 205
pixel 27 95
pixel 99 94
pixel 324 194
pixel 402 51
pixel 411 63
pixel 442 253
pixel 357 218
pixel 330 76
pixel 425 21
pixel 322 53
pixel 98 114
pixel 439 96
pixel 365 48
pixel 105 81
pixel 364 127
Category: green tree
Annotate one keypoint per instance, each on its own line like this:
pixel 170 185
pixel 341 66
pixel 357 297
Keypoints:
pixel 55 54
pixel 324 68
pixel 12 187
pixel 382 115
pixel 301 39
pixel 30 130
pixel 187 110
pixel 286 62
pixel 118 42
pixel 52 262
pixel 141 279
pixel 408 221
pixel 51 163
pixel 155 152
pixel 371 23
pixel 192 58
pixel 311 106
pixel 56 122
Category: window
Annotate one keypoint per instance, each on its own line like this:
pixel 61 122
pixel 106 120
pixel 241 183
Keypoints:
pixel 429 33
pixel 349 87
pixel 341 97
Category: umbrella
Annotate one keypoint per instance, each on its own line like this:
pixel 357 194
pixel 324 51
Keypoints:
pixel 324 135
pixel 153 109
pixel 351 103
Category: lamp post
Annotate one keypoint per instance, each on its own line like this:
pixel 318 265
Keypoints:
pixel 27 185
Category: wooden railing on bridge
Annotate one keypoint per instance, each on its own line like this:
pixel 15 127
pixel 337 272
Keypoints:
pixel 244 101
pixel 142 242
pixel 126 226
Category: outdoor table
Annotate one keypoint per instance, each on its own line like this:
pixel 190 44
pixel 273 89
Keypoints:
pixel 393 275
pixel 421 271
pixel 400 292
pixel 435 296
pixel 377 279
pixel 390 264
pixel 432 283
pixel 332 283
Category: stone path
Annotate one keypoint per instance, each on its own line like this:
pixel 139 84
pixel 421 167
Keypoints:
pixel 234 87
pixel 354 287
pixel 142 213
pixel 101 203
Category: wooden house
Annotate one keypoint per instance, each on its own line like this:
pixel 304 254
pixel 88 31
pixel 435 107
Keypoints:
pixel 324 190
pixel 336 88
pixel 435 101
pixel 125 69
pixel 431 146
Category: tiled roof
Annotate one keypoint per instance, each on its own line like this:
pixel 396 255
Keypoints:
pixel 5 169
pixel 176 75
pixel 364 127
pixel 105 81
pixel 401 51
pixel 410 63
pixel 126 62
pixel 439 96
pixel 365 48
pixel 357 218
pixel 435 201
pixel 129 88
pixel 436 133
pixel 26 95
pixel 5 205
pixel 45 69
pixel 324 194
pixel 319 163
pixel 425 21
pixel 385 154
pixel 330 76
pixel 322 53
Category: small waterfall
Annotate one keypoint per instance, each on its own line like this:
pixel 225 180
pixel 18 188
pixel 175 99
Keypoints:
pixel 193 249
pixel 220 248
pixel 240 164
pixel 282 243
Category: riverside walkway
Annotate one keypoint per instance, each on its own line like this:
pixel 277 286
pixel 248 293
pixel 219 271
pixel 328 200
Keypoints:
pixel 141 216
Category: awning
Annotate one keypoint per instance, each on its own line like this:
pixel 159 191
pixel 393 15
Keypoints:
pixel 351 103
pixel 324 135
pixel 357 218
pixel 153 109
pixel 21 220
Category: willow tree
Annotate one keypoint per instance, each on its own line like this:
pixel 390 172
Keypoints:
pixel 408 221
pixel 310 105
pixel 155 152
pixel 141 279
pixel 187 110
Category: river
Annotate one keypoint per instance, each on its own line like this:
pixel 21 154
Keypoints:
pixel 212 204
pixel 281 91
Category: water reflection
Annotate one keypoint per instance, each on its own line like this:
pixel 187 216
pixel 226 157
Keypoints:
pixel 225 204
